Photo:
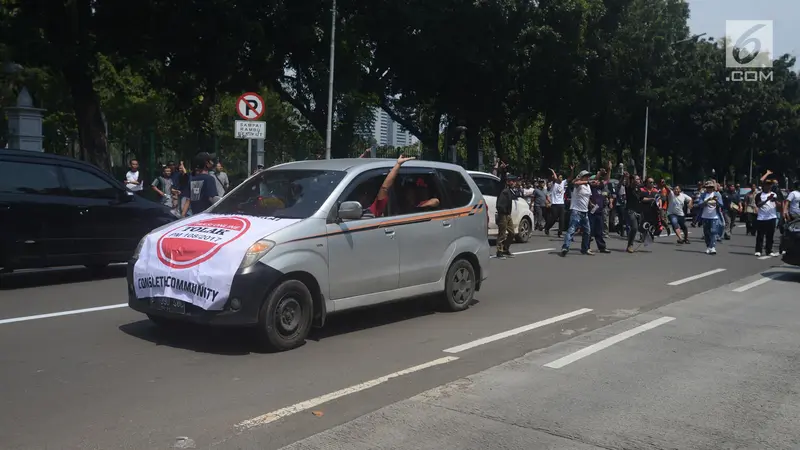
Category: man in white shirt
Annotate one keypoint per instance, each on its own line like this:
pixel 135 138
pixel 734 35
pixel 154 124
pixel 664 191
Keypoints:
pixel 133 179
pixel 791 206
pixel 679 203
pixel 767 218
pixel 556 197
pixel 579 214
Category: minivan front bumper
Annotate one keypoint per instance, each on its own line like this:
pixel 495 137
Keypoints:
pixel 250 286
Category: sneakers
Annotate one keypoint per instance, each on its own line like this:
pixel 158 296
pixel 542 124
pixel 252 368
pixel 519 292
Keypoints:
pixel 509 255
pixel 713 251
pixel 772 255
pixel 758 254
pixel 564 252
pixel 630 249
pixel 588 253
pixel 500 256
pixel 604 250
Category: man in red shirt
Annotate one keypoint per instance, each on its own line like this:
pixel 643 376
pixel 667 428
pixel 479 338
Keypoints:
pixel 378 206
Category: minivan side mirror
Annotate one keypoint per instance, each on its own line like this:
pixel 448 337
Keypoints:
pixel 350 211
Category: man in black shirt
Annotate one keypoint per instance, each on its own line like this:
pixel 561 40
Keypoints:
pixel 202 186
pixel 636 199
pixel 505 226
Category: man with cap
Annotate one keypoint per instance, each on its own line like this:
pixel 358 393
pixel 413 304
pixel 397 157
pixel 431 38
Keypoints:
pixel 767 219
pixel 202 186
pixel 505 226
pixel 579 214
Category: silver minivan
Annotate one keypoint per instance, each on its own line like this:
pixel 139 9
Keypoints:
pixel 302 240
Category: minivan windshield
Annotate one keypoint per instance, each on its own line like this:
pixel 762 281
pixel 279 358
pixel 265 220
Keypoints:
pixel 286 194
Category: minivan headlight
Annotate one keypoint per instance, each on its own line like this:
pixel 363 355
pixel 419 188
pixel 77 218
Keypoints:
pixel 794 227
pixel 256 252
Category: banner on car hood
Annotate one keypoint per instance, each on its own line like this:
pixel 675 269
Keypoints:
pixel 194 260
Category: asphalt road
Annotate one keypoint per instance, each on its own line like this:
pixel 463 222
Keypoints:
pixel 108 379
pixel 715 371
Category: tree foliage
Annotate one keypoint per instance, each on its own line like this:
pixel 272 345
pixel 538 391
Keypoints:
pixel 541 83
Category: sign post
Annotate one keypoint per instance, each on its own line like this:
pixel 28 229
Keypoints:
pixel 250 107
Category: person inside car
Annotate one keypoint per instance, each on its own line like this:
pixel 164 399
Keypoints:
pixel 377 206
pixel 417 196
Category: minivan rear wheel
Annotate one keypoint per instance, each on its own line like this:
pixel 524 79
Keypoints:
pixel 460 285
pixel 285 317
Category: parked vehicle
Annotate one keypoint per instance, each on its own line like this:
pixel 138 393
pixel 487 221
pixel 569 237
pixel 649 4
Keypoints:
pixel 790 243
pixel 521 214
pixel 58 211
pixel 299 241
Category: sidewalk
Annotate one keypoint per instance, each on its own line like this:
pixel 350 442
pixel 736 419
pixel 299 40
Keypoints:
pixel 720 375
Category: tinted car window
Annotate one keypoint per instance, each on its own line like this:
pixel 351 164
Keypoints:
pixel 286 194
pixel 88 185
pixel 29 178
pixel 457 188
pixel 414 190
pixel 488 186
pixel 365 191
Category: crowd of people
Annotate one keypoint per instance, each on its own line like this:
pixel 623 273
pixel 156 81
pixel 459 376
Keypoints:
pixel 182 190
pixel 592 205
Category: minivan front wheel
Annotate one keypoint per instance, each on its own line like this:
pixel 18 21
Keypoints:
pixel 285 317
pixel 460 285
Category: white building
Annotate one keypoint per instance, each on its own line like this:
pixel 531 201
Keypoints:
pixel 387 132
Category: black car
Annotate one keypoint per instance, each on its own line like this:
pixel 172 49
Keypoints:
pixel 790 243
pixel 58 211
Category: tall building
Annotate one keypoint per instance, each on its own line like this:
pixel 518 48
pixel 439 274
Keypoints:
pixel 387 132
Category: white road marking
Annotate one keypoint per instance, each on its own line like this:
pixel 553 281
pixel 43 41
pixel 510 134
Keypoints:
pixel 696 277
pixel 757 283
pixel 605 343
pixel 62 313
pixel 539 250
pixel 515 331
pixel 765 257
pixel 308 404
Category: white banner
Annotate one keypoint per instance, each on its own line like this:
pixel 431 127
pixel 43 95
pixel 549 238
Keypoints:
pixel 195 259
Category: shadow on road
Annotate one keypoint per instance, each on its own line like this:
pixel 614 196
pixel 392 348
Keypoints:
pixel 49 277
pixel 785 274
pixel 240 341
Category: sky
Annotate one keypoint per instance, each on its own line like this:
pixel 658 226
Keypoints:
pixel 709 16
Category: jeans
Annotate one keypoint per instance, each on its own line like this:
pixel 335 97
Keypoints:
pixel 579 219
pixel 622 215
pixel 633 226
pixel 596 224
pixel 679 223
pixel 765 229
pixel 710 229
pixel 538 215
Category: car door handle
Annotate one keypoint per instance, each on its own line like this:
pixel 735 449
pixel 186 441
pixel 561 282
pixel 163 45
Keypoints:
pixel 83 210
pixel 389 231
pixel 4 207
pixel 446 223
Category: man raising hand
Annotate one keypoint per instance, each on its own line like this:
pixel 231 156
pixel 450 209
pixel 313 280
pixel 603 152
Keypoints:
pixel 378 207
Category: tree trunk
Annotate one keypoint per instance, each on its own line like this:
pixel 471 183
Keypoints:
pixel 544 143
pixel 497 137
pixel 88 114
pixel 473 145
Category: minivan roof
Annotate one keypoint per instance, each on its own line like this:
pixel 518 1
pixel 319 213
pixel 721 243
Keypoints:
pixel 347 164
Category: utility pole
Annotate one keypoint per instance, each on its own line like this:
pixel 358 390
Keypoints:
pixel 646 126
pixel 329 132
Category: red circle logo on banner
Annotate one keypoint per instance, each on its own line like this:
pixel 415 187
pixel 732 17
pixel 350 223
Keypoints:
pixel 195 242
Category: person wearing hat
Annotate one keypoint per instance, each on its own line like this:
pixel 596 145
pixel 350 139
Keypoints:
pixel 597 206
pixel 711 215
pixel 579 214
pixel 767 219
pixel 503 206
pixel 202 191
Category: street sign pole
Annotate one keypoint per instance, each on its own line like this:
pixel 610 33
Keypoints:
pixel 249 157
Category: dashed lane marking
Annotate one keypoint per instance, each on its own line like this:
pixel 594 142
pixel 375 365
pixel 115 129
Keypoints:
pixel 605 343
pixel 696 277
pixel 62 313
pixel 308 404
pixel 515 331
